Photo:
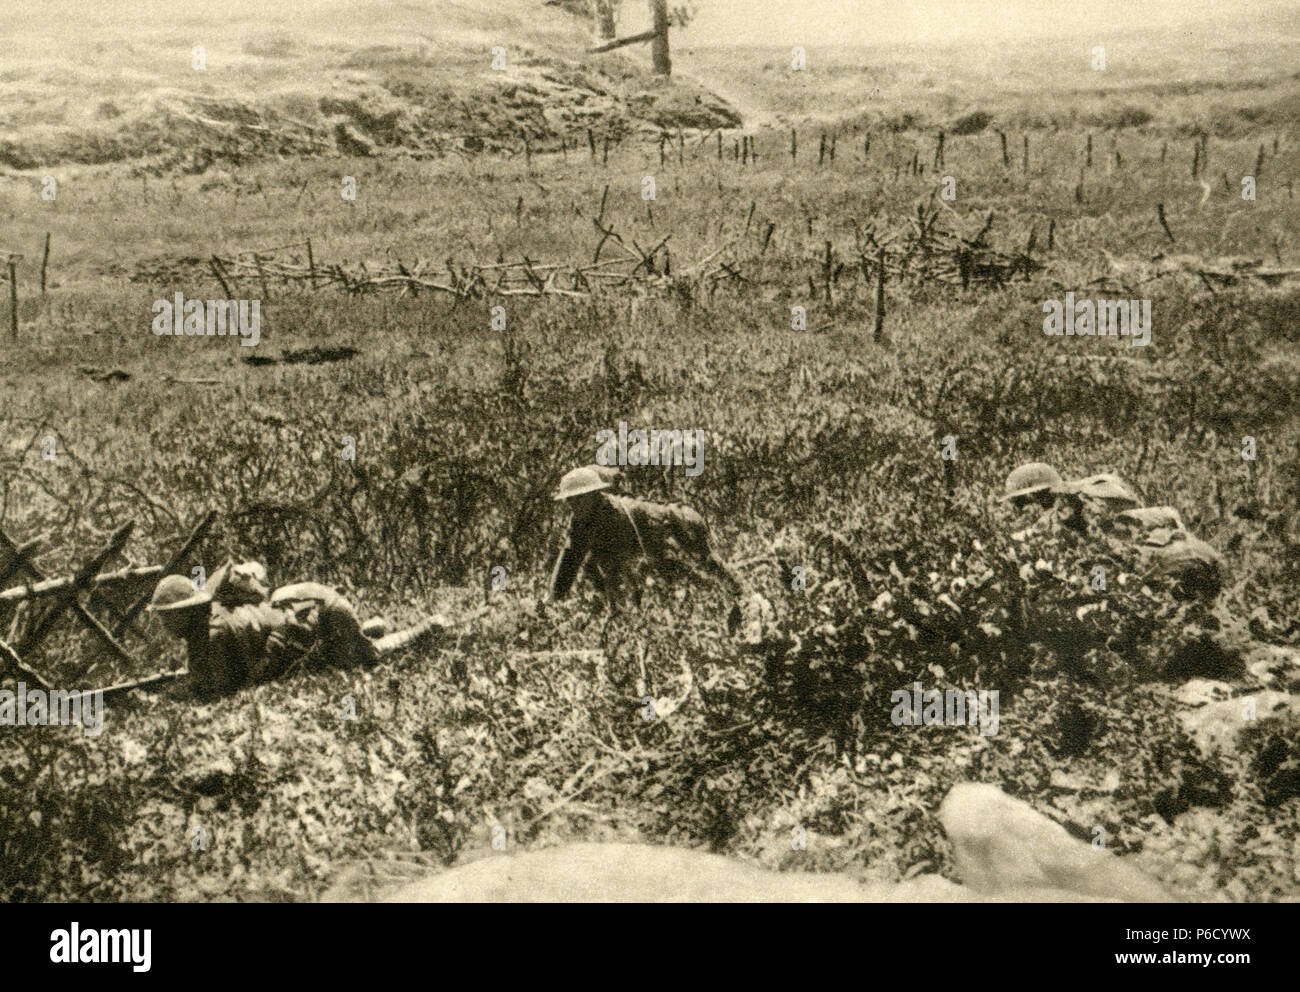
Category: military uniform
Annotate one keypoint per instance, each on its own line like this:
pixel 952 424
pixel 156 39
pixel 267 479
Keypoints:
pixel 1156 536
pixel 250 638
pixel 621 537
pixel 331 621
pixel 252 643
pixel 1174 552
pixel 1153 536
pixel 245 645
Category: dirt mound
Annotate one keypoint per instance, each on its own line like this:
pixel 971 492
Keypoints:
pixel 383 100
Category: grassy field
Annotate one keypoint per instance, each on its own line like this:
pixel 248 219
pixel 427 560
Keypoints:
pixel 461 433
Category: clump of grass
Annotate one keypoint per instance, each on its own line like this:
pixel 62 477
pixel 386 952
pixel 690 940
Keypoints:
pixel 973 123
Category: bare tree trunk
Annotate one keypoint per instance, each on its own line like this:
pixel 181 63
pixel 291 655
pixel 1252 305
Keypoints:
pixel 663 65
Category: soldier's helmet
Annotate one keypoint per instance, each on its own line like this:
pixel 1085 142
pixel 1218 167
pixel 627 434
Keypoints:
pixel 1031 480
pixel 587 479
pixel 1106 489
pixel 176 592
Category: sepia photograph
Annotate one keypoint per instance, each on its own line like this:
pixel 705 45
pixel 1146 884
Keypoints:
pixel 624 451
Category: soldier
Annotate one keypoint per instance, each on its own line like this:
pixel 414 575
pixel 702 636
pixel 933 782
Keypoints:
pixel 1156 540
pixel 612 535
pixel 245 583
pixel 235 640
pixel 1035 482
pixel 1074 503
pixel 1101 495
pixel 1197 566
pixel 1163 545
pixel 1039 485
pixel 1156 534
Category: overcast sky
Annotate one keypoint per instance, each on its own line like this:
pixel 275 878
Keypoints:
pixel 856 22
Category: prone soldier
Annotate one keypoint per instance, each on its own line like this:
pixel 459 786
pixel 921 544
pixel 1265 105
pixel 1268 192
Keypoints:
pixel 1154 534
pixel 1155 539
pixel 237 636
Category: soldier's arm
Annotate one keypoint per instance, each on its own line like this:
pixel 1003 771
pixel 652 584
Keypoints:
pixel 222 667
pixel 570 560
pixel 697 541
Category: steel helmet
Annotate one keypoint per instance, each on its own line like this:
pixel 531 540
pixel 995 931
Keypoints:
pixel 1030 479
pixel 587 479
pixel 176 592
pixel 1106 488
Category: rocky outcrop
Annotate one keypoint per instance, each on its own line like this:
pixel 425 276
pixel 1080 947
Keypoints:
pixel 1003 846
pixel 1004 850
